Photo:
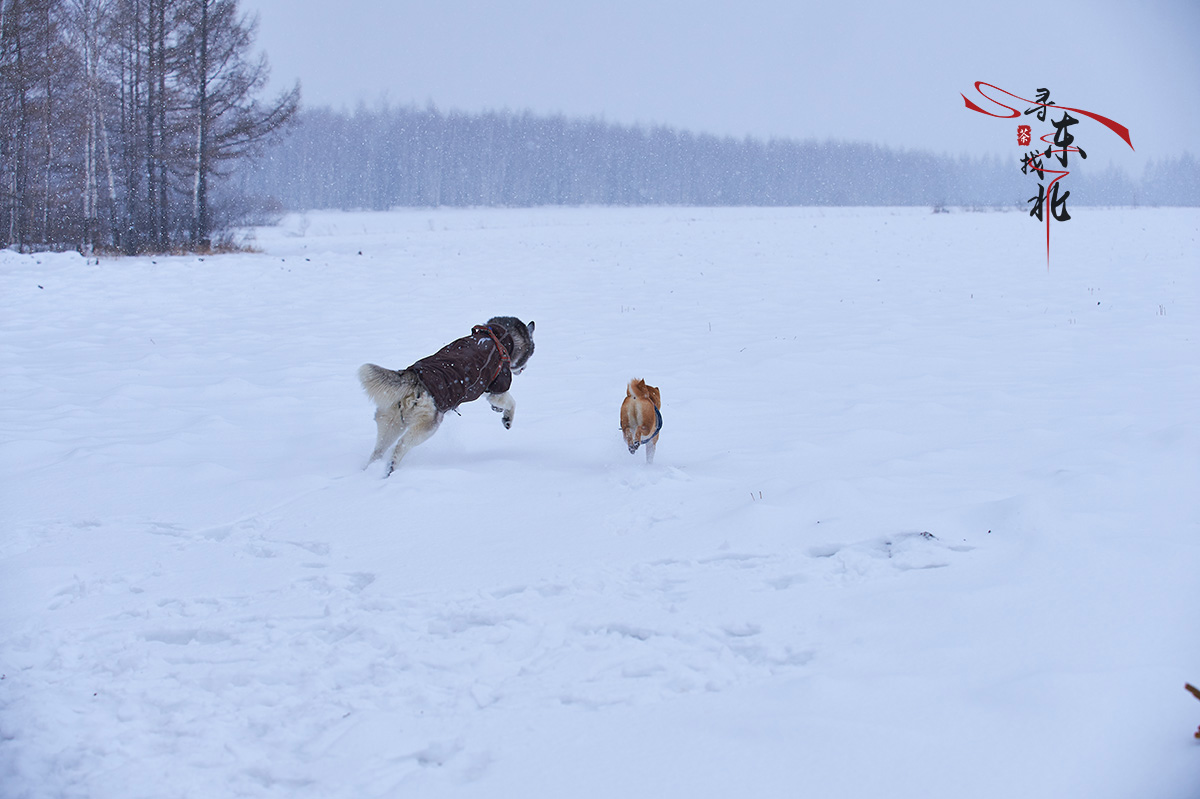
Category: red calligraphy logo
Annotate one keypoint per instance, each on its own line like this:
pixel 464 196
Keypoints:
pixel 1025 135
pixel 1115 127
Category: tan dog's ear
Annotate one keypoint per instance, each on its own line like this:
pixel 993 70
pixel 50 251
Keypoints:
pixel 654 396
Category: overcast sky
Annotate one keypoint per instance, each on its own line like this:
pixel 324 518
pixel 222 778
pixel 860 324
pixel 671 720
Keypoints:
pixel 884 72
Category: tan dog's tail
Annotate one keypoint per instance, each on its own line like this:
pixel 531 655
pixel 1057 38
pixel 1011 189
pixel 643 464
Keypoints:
pixel 639 390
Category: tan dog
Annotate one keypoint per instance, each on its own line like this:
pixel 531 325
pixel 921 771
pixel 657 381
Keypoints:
pixel 641 417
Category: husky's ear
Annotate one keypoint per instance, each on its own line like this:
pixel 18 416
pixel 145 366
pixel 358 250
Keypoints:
pixel 530 327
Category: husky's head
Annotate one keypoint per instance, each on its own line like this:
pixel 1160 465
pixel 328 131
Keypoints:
pixel 522 336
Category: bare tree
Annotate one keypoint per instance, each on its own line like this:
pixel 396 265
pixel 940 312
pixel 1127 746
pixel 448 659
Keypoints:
pixel 39 127
pixel 87 23
pixel 223 83
pixel 22 67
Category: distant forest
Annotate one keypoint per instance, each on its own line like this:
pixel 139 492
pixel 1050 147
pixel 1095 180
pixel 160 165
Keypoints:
pixel 385 157
pixel 139 126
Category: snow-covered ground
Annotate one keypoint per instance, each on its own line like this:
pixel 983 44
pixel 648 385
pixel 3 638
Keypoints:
pixel 923 520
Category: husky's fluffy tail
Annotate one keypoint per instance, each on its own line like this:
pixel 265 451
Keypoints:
pixel 388 388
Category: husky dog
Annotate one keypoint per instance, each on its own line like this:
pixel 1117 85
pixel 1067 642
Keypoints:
pixel 411 402
pixel 641 417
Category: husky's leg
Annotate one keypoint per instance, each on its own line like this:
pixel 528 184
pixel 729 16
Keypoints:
pixel 423 421
pixel 504 403
pixel 650 446
pixel 417 433
pixel 390 422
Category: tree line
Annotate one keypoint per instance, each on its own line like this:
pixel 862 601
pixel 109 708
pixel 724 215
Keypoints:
pixel 119 120
pixel 136 126
pixel 384 157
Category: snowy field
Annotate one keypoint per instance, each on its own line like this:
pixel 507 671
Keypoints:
pixel 923 520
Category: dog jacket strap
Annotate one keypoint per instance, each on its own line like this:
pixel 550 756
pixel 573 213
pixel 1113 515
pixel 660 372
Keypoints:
pixel 499 347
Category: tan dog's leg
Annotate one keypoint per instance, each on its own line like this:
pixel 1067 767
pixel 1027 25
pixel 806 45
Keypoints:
pixel 629 424
pixel 654 404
